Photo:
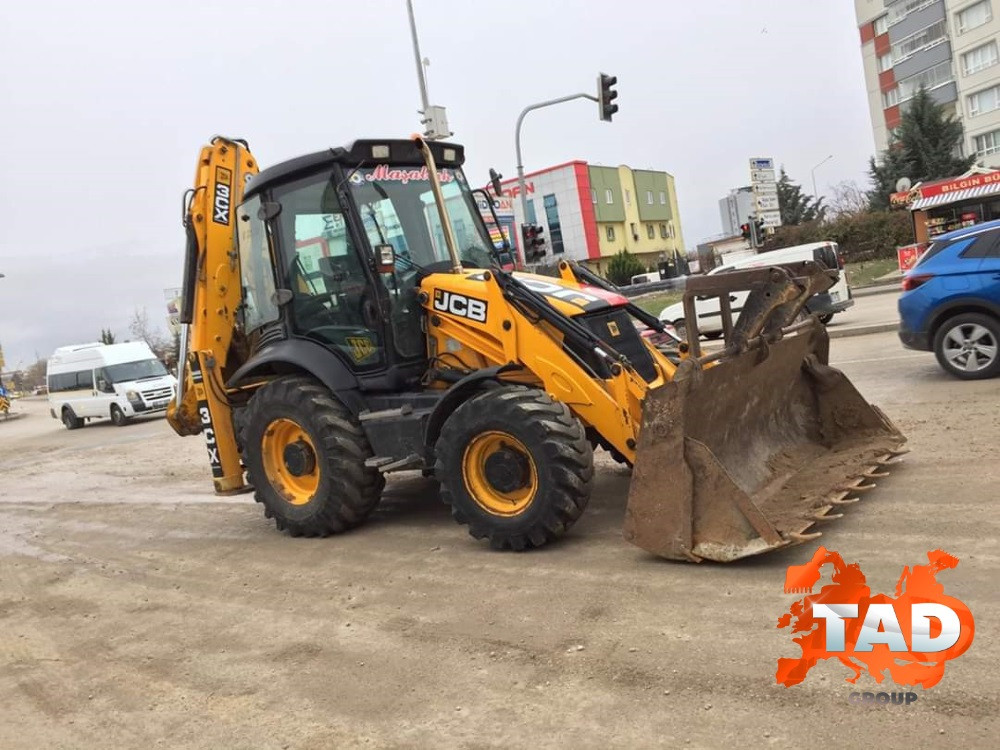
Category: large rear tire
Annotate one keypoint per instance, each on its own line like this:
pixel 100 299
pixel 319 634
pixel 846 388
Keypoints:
pixel 515 466
pixel 305 456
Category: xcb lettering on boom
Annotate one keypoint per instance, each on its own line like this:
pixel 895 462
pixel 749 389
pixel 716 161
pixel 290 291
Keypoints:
pixel 222 198
pixel 460 305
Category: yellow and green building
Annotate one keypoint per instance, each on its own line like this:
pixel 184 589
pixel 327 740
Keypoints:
pixel 590 213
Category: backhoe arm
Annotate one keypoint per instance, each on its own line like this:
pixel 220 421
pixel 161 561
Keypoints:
pixel 209 302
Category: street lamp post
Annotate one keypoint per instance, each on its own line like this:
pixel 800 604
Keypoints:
pixel 814 174
pixel 517 141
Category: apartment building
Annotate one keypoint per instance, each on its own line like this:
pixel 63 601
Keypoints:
pixel 735 210
pixel 592 212
pixel 950 47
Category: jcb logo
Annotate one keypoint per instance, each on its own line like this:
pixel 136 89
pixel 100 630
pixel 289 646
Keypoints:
pixel 460 305
pixel 222 201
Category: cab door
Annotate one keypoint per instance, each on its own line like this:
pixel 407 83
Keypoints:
pixel 334 300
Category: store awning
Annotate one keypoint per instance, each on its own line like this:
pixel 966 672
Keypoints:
pixel 956 196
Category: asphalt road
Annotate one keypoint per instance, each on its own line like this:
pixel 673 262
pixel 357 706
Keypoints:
pixel 137 609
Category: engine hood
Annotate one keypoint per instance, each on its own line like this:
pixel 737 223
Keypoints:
pixel 568 297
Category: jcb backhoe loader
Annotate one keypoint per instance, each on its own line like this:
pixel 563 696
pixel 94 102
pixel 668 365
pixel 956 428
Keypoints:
pixel 344 319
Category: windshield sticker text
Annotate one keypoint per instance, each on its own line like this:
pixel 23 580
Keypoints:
pixel 403 175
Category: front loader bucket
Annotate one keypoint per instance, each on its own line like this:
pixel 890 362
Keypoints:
pixel 745 456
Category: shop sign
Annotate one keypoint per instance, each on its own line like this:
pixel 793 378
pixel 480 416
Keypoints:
pixel 908 255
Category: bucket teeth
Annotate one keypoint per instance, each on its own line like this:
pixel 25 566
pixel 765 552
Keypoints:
pixel 845 500
pixel 848 489
pixel 823 514
pixel 874 474
pixel 799 537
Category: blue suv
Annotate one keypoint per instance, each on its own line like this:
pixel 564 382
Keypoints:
pixel 951 302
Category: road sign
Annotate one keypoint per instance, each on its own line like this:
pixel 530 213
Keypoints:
pixel 771 219
pixel 767 202
pixel 765 192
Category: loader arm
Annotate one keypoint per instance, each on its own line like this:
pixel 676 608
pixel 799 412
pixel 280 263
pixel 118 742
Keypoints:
pixel 210 301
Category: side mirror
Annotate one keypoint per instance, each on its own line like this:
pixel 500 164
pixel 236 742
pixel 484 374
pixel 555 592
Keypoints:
pixel 385 258
pixel 495 182
pixel 104 386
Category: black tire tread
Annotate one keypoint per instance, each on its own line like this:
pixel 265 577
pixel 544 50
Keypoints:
pixel 568 458
pixel 357 488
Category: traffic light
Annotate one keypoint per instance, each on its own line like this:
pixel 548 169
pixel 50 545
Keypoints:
pixel 745 231
pixel 533 242
pixel 758 232
pixel 606 96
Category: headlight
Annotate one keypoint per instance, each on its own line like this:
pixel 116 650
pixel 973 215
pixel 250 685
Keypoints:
pixel 132 396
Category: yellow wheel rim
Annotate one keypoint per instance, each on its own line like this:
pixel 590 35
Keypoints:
pixel 500 473
pixel 290 461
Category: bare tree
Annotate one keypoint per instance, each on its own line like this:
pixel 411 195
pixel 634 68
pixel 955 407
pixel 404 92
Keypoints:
pixel 847 199
pixel 140 328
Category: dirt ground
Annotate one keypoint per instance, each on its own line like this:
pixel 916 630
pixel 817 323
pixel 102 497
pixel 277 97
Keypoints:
pixel 137 609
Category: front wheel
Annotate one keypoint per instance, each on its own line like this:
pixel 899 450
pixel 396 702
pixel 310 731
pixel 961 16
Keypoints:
pixel 305 456
pixel 118 416
pixel 515 466
pixel 968 346
pixel 825 319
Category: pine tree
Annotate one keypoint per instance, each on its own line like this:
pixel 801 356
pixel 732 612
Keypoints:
pixel 622 267
pixel 924 147
pixel 797 207
pixel 107 337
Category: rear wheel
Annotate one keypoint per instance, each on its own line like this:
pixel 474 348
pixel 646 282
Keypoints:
pixel 305 456
pixel 968 346
pixel 70 419
pixel 515 466
pixel 118 416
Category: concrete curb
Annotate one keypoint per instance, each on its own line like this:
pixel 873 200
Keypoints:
pixel 867 291
pixel 840 333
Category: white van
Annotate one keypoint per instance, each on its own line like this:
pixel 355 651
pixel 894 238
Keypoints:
pixel 825 305
pixel 117 381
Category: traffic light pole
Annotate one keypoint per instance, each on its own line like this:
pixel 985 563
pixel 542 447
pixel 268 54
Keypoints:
pixel 517 142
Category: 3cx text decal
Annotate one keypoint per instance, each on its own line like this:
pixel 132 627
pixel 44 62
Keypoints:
pixel 222 200
pixel 460 305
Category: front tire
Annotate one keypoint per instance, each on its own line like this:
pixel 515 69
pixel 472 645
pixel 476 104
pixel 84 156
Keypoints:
pixel 305 456
pixel 118 416
pixel 825 319
pixel 515 466
pixel 968 346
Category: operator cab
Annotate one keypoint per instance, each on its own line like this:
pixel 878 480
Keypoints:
pixel 333 246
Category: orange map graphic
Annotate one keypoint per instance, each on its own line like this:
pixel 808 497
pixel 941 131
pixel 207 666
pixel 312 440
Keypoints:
pixel 849 586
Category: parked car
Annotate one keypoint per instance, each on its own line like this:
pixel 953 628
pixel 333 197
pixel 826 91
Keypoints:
pixel 951 302
pixel 826 304
pixel 645 278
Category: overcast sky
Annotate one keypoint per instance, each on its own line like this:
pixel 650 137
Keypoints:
pixel 105 104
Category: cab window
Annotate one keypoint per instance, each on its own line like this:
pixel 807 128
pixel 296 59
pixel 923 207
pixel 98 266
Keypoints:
pixel 333 301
